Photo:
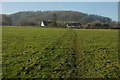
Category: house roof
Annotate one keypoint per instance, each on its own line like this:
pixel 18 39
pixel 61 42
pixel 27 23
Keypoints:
pixel 47 22
pixel 73 24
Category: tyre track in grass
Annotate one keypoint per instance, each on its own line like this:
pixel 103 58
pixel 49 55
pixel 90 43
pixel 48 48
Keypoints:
pixel 76 52
pixel 78 57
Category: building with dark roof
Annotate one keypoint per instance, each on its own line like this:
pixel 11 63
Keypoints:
pixel 45 23
pixel 74 25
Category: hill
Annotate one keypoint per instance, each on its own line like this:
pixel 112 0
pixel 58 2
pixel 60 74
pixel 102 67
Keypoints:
pixel 37 16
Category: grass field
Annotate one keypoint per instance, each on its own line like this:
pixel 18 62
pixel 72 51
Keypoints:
pixel 33 52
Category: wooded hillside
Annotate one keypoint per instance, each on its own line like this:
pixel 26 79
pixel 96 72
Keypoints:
pixel 34 18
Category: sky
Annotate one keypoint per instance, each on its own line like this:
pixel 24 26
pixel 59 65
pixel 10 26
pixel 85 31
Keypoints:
pixel 59 0
pixel 106 9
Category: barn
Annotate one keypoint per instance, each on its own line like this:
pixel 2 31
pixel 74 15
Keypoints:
pixel 73 25
pixel 45 23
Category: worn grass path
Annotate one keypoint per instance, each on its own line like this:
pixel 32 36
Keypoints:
pixel 77 55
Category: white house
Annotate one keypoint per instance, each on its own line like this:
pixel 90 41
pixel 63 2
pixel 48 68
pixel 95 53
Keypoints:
pixel 42 24
pixel 74 25
pixel 45 23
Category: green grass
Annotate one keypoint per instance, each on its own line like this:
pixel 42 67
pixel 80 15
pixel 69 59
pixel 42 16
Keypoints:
pixel 33 52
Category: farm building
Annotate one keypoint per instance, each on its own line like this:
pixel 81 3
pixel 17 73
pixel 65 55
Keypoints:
pixel 73 25
pixel 45 23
